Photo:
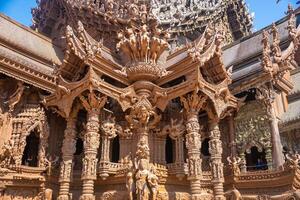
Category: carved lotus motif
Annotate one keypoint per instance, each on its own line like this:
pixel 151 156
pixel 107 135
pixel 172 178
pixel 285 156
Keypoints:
pixel 144 71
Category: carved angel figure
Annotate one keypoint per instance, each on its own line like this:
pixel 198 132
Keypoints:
pixel 234 163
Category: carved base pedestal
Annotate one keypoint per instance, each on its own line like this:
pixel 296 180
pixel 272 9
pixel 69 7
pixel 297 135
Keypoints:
pixel 201 197
pixel 195 187
pixel 64 192
pixel 87 190
pixel 64 197
pixel 87 197
pixel 219 191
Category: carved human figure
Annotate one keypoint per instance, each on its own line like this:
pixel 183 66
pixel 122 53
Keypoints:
pixel 7 153
pixel 153 182
pixel 234 163
pixel 142 190
pixel 144 35
pixel 155 45
pixel 143 13
pixel 133 44
pixel 129 184
pixel 143 151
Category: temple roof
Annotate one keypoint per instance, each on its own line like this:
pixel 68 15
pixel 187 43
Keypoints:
pixel 243 55
pixel 185 20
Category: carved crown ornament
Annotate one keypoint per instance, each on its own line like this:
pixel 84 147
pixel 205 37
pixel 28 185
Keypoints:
pixel 142 47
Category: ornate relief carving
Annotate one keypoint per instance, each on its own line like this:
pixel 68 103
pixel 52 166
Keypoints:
pixel 175 129
pixel 144 44
pixel 83 45
pixel 109 127
pixel 141 113
pixel 252 127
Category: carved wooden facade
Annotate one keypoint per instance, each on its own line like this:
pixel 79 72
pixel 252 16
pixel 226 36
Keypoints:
pixel 111 109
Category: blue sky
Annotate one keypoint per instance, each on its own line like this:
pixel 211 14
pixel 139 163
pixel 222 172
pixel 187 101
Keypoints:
pixel 265 11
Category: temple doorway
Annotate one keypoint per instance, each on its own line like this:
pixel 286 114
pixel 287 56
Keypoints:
pixel 256 160
pixel 31 150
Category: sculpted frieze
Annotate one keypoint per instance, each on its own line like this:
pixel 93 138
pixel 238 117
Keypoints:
pixel 253 127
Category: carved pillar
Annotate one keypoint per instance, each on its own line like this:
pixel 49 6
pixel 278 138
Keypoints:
pixel 193 144
pixel 179 150
pixel 89 162
pixel 91 140
pixel 278 158
pixel 232 135
pixel 267 94
pixel 68 149
pixel 161 150
pixel 105 147
pixel 193 103
pixel 215 149
pixel 243 162
pixel 109 131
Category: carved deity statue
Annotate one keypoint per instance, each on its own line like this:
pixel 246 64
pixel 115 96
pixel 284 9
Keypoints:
pixel 143 151
pixel 153 182
pixel 142 190
pixel 7 153
pixel 234 163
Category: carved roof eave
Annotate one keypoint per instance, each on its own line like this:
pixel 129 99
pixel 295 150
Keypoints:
pixel 91 53
pixel 26 69
pixel 204 49
pixel 66 92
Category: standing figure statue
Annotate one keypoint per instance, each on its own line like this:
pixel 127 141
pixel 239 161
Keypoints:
pixel 142 190
pixel 129 184
pixel 143 151
pixel 153 182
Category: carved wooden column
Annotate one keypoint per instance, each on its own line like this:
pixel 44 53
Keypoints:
pixel 68 149
pixel 179 150
pixel 278 158
pixel 109 131
pixel 232 135
pixel 215 149
pixel 267 94
pixel 243 162
pixel 193 104
pixel 160 146
pixel 193 144
pixel 91 141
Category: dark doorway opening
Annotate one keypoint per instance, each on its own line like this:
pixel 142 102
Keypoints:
pixel 79 146
pixel 169 150
pixel 256 160
pixel 205 147
pixel 115 154
pixel 31 150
